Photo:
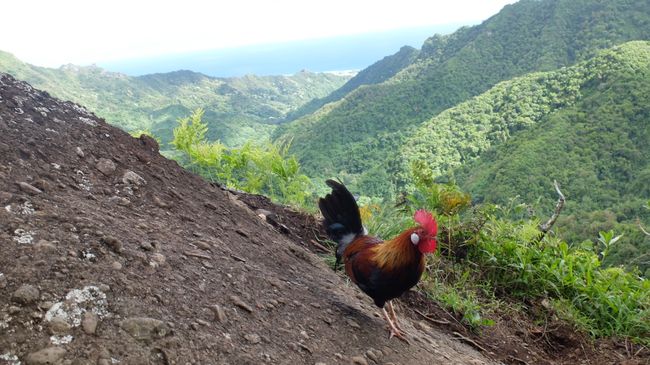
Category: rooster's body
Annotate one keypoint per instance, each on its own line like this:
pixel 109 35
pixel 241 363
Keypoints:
pixel 382 269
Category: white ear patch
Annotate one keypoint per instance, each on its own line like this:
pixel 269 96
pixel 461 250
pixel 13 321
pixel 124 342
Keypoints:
pixel 415 238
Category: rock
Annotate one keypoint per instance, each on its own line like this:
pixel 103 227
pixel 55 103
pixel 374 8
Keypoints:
pixel 158 258
pixel 44 246
pixel 79 152
pixel 28 188
pixel 89 322
pixel 116 265
pixel 203 245
pixel 119 200
pixel 219 313
pixel 131 178
pixel 46 356
pixel 374 355
pixel 58 326
pixel 145 329
pixel 146 246
pixel 26 294
pixel 105 166
pixel 5 197
pixel 241 304
pixel 252 338
pixel 359 360
pixel 113 243
pixel 159 202
pixel 43 185
pixel 352 323
pixel 103 287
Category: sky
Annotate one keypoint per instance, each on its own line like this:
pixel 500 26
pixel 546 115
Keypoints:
pixel 51 33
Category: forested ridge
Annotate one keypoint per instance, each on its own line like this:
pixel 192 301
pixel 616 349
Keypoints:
pixel 238 109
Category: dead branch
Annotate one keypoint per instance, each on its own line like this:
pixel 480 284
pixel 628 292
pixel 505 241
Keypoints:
pixel 545 227
pixel 642 229
pixel 468 340
pixel 436 321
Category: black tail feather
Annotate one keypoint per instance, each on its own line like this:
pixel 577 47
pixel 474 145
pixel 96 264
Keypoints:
pixel 341 213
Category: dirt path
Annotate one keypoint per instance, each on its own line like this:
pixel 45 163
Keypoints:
pixel 112 254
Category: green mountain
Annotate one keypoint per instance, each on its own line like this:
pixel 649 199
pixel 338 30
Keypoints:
pixel 237 109
pixel 586 126
pixel 376 73
pixel 355 137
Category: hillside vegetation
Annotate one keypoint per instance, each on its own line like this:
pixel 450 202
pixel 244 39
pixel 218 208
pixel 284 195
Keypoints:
pixel 356 135
pixel 237 109
pixel 585 126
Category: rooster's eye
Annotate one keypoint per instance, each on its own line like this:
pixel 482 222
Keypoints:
pixel 415 238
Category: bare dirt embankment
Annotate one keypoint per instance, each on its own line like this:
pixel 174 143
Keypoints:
pixel 112 254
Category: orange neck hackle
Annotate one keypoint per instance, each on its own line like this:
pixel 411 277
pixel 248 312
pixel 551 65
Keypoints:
pixel 398 252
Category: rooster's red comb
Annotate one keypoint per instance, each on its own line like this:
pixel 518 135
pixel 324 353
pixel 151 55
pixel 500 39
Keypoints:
pixel 426 220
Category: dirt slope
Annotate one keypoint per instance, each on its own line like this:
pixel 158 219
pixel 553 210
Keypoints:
pixel 112 254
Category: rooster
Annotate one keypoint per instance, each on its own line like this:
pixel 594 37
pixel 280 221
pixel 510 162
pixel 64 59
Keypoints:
pixel 382 269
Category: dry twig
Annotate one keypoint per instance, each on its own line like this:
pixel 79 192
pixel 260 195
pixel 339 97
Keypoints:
pixel 545 227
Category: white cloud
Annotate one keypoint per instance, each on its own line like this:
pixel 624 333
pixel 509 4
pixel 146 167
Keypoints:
pixel 51 33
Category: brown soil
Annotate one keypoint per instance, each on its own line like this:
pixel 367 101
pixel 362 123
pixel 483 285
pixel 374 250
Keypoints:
pixel 112 254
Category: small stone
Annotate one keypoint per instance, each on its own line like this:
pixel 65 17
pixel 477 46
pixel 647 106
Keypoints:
pixel 5 197
pixel 119 200
pixel 79 152
pixel 14 310
pixel 28 188
pixel 26 294
pixel 145 329
pixel 116 265
pixel 352 323
pixel 219 313
pixel 89 322
pixel 203 245
pixel 103 287
pixel 252 338
pixel 113 243
pixel 241 304
pixel 158 258
pixel 304 335
pixel 374 355
pixel 131 178
pixel 58 326
pixel 359 360
pixel 43 185
pixel 146 246
pixel 105 166
pixel 49 355
pixel 159 202
pixel 44 246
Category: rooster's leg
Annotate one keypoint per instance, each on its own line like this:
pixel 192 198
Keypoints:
pixel 394 331
pixel 393 317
